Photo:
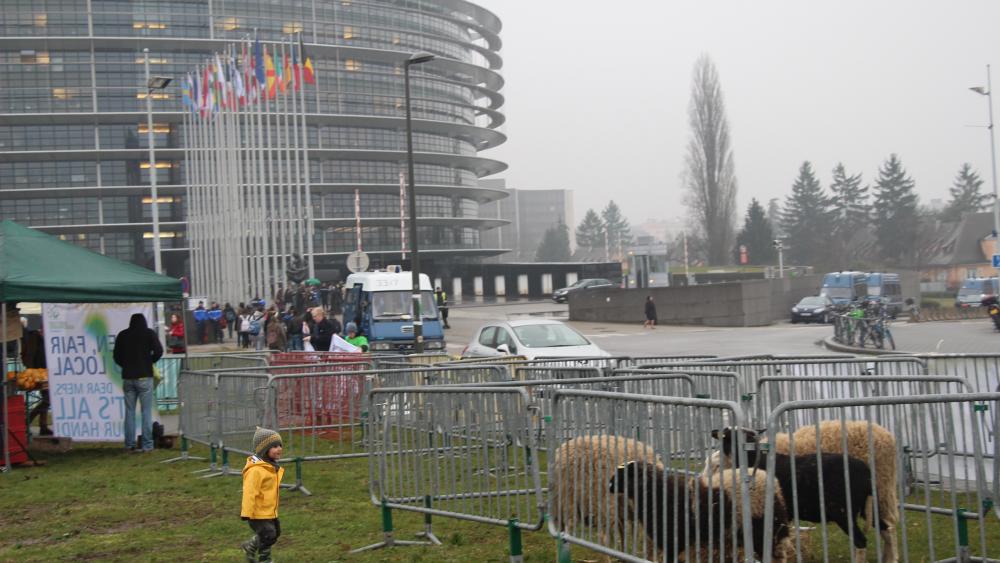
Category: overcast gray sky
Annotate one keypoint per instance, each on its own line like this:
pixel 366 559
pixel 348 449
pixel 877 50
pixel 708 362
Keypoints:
pixel 597 92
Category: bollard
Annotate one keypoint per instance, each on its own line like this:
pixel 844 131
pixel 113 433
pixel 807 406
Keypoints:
pixel 516 550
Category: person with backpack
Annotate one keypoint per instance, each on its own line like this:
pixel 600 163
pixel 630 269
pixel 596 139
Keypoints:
pixel 229 315
pixel 275 329
pixel 256 329
pixel 244 327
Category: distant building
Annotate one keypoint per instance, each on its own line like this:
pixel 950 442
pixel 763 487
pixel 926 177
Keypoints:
pixel 961 250
pixel 531 213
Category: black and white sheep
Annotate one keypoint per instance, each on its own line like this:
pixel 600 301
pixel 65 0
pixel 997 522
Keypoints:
pixel 831 441
pixel 578 483
pixel 684 515
pixel 837 500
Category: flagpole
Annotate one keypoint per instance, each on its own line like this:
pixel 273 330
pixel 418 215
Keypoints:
pixel 297 218
pixel 188 174
pixel 310 222
pixel 262 188
pixel 250 165
pixel 274 220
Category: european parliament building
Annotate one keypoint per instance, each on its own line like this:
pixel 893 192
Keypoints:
pixel 74 158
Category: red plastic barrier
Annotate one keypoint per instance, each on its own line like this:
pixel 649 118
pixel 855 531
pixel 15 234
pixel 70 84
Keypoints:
pixel 321 400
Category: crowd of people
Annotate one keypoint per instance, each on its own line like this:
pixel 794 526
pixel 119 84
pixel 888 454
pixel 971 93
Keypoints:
pixel 301 317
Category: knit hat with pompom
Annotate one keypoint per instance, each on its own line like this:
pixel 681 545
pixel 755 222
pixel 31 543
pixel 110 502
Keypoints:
pixel 263 440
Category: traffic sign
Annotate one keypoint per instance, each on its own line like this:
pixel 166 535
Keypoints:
pixel 996 260
pixel 357 261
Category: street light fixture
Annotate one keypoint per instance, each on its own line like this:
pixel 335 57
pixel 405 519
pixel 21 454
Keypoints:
pixel 418 319
pixel 988 92
pixel 154 84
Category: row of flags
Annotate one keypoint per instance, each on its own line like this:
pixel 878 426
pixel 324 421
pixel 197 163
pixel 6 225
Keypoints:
pixel 255 74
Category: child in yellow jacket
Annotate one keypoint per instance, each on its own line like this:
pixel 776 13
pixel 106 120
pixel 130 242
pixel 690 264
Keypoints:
pixel 261 483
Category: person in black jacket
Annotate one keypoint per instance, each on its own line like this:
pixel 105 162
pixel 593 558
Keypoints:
pixel 650 313
pixel 137 348
pixel 323 330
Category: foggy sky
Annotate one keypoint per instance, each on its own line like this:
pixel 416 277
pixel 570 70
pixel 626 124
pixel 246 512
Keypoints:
pixel 597 93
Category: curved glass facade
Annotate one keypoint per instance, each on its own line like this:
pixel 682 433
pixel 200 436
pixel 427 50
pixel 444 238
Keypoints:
pixel 74 139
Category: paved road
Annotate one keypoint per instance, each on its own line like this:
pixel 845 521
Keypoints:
pixel 781 338
pixel 622 339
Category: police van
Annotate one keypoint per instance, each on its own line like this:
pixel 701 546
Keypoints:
pixel 381 304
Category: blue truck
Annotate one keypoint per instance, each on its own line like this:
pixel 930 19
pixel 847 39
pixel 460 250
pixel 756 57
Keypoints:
pixel 886 289
pixel 844 288
pixel 381 304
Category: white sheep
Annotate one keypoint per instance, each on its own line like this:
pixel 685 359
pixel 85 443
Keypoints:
pixel 578 483
pixel 857 447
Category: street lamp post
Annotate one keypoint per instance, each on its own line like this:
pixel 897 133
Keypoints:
pixel 154 84
pixel 418 319
pixel 988 92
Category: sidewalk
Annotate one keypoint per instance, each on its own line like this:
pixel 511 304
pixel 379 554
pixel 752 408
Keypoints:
pixel 955 337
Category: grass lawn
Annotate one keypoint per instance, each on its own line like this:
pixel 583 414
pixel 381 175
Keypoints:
pixel 98 503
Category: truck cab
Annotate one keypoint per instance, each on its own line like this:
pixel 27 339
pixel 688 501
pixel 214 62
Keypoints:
pixel 381 304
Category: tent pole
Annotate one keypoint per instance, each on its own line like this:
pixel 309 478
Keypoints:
pixel 3 358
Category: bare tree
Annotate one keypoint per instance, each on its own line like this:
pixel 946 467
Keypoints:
pixel 709 176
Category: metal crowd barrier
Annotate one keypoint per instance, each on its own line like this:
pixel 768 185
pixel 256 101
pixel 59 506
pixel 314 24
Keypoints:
pixel 222 360
pixel 597 433
pixel 708 384
pixel 463 453
pixel 946 510
pixel 982 370
pixel 751 371
pixel 774 390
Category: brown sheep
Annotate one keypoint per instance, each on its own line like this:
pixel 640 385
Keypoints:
pixel 578 483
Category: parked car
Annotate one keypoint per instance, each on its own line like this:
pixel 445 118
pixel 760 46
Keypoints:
pixel 812 309
pixel 974 290
pixel 531 338
pixel 562 295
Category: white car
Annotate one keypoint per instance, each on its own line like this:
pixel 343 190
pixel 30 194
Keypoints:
pixel 531 338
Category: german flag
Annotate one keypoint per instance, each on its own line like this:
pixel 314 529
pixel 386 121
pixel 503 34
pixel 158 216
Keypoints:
pixel 308 74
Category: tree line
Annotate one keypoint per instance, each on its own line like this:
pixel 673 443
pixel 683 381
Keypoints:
pixel 596 235
pixel 850 225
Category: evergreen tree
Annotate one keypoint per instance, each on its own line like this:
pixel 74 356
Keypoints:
pixel 849 200
pixel 757 235
pixel 896 216
pixel 555 245
pixel 590 231
pixel 807 222
pixel 850 214
pixel 618 229
pixel 965 195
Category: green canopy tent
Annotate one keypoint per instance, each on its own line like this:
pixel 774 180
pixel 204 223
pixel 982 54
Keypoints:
pixel 38 267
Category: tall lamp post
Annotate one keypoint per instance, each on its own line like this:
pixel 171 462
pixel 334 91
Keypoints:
pixel 988 92
pixel 154 84
pixel 418 319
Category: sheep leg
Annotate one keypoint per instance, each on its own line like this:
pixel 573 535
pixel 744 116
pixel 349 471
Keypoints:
pixel 889 550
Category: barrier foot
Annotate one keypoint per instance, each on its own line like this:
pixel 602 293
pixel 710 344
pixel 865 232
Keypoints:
pixel 428 532
pixel 298 486
pixel 964 555
pixel 212 466
pixel 388 539
pixel 184 453
pixel 516 549
pixel 562 551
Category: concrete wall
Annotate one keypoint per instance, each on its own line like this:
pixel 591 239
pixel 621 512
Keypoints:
pixel 747 303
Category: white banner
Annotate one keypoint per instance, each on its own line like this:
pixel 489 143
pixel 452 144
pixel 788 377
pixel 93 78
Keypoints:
pixel 85 384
